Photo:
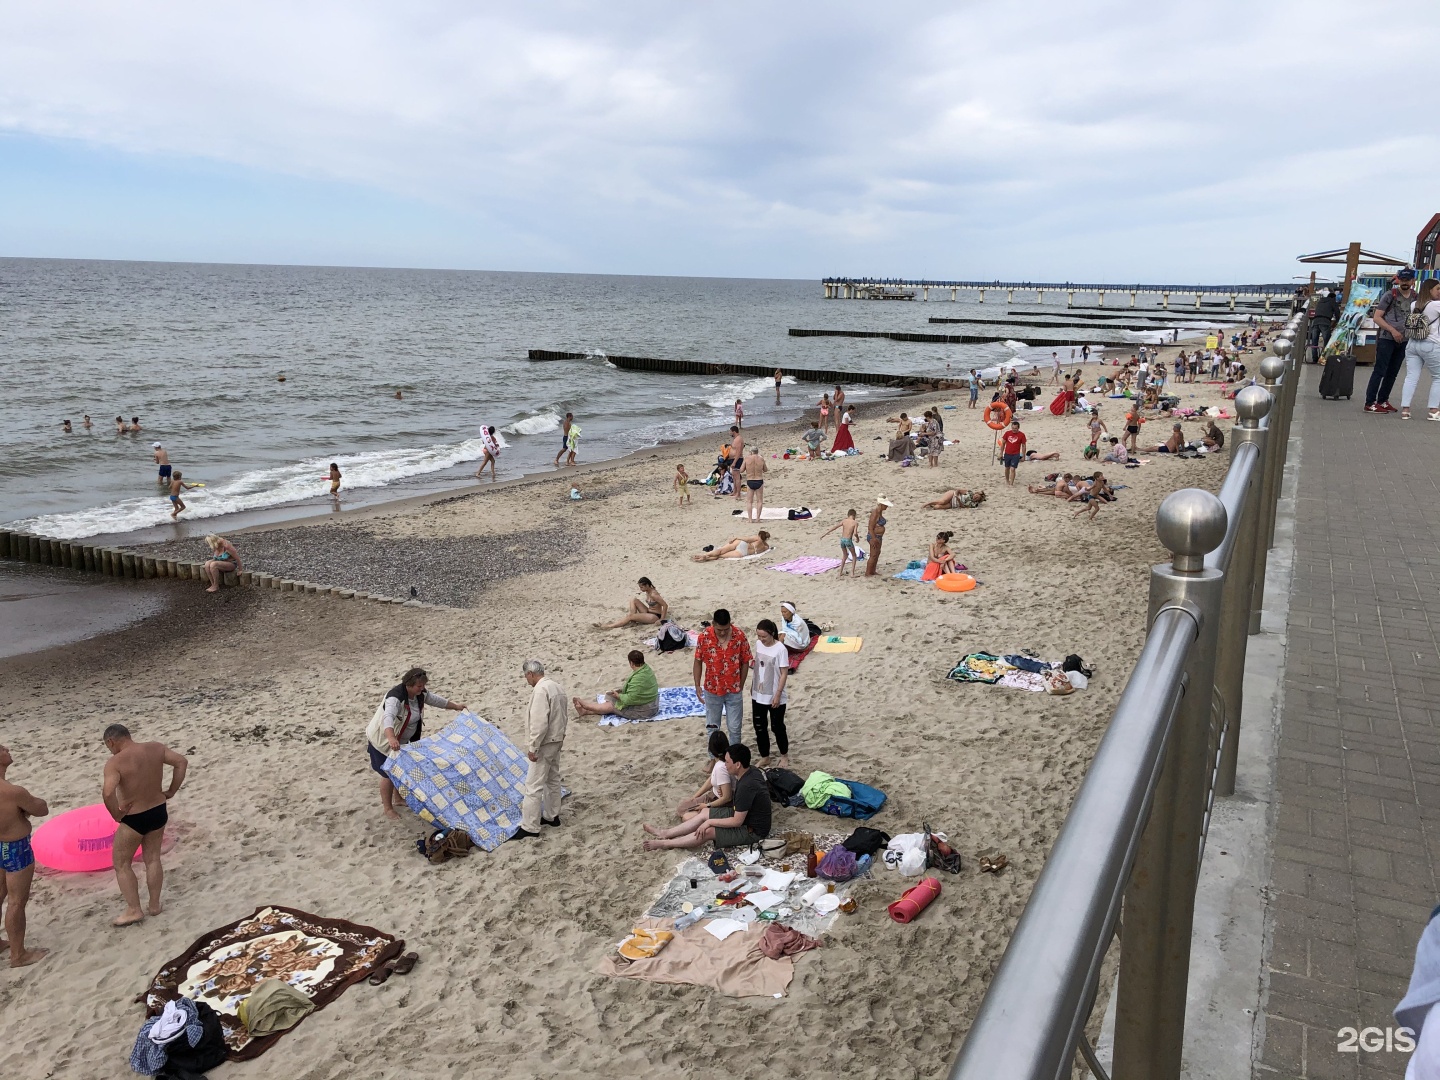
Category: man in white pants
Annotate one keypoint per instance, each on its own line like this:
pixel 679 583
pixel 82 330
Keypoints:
pixel 544 738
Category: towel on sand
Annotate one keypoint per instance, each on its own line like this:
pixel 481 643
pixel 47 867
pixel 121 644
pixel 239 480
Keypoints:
pixel 779 513
pixel 674 702
pixel 836 644
pixel 735 966
pixel 806 565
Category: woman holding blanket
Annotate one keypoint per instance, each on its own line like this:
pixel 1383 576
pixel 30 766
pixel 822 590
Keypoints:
pixel 397 721
pixel 638 699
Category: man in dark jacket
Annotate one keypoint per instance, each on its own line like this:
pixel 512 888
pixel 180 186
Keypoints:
pixel 1390 339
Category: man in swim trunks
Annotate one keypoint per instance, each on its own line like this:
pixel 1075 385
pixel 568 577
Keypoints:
pixel 737 458
pixel 162 459
pixel 753 468
pixel 565 436
pixel 17 862
pixel 136 798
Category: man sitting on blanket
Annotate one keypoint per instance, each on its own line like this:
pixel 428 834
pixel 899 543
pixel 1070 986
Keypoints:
pixel 746 821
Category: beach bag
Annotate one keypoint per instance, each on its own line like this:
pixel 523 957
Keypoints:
pixel 1417 326
pixel 866 841
pixel 784 785
pixel 671 637
pixel 801 514
pixel 837 865
pixel 938 854
pixel 1074 663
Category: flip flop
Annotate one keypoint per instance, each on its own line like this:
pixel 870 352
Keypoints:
pixel 380 975
pixel 405 964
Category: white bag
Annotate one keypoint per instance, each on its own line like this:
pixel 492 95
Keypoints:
pixel 912 863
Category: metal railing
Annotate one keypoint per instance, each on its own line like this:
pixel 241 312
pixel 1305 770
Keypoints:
pixel 1128 855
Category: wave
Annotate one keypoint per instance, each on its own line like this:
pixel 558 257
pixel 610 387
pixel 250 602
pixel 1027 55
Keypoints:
pixel 744 389
pixel 258 489
pixel 538 424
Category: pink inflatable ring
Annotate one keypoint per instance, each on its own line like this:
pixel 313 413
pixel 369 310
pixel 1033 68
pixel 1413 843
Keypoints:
pixel 77 841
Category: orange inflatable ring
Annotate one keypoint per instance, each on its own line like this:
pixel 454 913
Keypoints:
pixel 955 582
pixel 1004 413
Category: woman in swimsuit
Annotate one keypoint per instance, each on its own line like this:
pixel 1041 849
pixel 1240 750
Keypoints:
pixel 955 499
pixel 825 413
pixel 224 559
pixel 648 607
pixel 940 554
pixel 849 526
pixel 737 547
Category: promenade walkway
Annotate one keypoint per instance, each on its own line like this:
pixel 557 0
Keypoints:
pixel 1357 823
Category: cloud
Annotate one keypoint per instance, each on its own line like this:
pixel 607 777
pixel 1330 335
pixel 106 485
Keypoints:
pixel 975 140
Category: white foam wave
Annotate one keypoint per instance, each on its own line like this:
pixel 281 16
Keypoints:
pixel 534 425
pixel 744 390
pixel 257 489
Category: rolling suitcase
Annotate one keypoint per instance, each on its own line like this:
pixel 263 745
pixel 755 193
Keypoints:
pixel 1338 378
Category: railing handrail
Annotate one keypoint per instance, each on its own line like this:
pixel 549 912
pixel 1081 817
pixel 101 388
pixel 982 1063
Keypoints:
pixel 1055 951
pixel 1244 470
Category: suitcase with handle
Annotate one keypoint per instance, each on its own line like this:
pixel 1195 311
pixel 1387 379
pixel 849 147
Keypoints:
pixel 1338 378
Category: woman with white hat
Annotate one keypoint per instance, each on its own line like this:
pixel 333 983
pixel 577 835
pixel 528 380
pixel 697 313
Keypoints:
pixel 793 629
pixel 875 532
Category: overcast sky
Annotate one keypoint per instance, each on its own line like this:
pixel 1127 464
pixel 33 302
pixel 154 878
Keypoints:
pixel 1205 142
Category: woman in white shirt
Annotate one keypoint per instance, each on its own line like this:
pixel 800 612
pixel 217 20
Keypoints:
pixel 771 664
pixel 718 787
pixel 1425 352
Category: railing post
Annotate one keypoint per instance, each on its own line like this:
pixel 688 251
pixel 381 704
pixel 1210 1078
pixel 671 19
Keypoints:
pixel 1159 903
pixel 1282 347
pixel 1270 370
pixel 1252 404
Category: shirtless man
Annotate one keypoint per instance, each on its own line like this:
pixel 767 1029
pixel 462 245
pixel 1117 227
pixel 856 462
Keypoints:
pixel 135 798
pixel 162 459
pixel 737 458
pixel 17 862
pixel 754 468
pixel 564 435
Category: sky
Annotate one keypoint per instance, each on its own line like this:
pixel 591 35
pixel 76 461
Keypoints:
pixel 1206 143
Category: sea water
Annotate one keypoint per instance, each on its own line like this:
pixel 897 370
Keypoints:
pixel 197 352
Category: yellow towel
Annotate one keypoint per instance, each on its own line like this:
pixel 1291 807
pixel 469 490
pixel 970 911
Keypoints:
pixel 839 644
pixel 644 943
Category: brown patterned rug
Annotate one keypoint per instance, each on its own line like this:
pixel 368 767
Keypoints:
pixel 319 957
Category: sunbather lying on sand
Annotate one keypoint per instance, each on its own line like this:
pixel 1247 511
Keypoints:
pixel 737 547
pixel 955 499
pixel 1061 487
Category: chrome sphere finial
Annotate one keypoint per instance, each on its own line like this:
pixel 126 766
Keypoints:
pixel 1191 523
pixel 1271 368
pixel 1282 345
pixel 1252 404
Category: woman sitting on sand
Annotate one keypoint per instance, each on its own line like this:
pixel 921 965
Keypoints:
pixel 794 630
pixel 719 786
pixel 224 559
pixel 637 699
pixel 940 556
pixel 1214 438
pixel 955 499
pixel 737 547
pixel 648 607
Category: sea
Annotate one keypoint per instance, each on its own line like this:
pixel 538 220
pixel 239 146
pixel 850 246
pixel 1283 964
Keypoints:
pixel 198 352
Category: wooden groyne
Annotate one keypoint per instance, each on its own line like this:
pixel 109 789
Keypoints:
pixel 1064 323
pixel 952 339
pixel 135 566
pixel 701 367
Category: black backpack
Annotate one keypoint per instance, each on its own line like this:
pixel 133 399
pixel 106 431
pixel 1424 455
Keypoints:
pixel 784 785
pixel 866 841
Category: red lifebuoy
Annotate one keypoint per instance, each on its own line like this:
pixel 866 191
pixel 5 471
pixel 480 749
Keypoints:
pixel 1005 414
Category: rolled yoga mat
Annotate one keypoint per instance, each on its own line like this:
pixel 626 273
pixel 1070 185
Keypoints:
pixel 914 900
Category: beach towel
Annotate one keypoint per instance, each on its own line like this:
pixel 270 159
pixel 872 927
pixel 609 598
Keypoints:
pixel 979 667
pixel 735 966
pixel 675 702
pixel 914 572
pixel 781 513
pixel 796 655
pixel 466 776
pixel 319 957
pixel 862 802
pixel 806 565
pixel 834 643
pixel 1023 680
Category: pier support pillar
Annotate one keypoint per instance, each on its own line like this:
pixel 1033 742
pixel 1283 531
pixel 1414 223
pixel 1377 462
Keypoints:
pixel 1009 296
pixel 1232 301
pixel 1165 302
pixel 1039 296
pixel 1132 298
pixel 1102 298
pixel 925 293
pixel 952 296
pixel 1267 302
pixel 1197 301
pixel 982 296
pixel 1071 301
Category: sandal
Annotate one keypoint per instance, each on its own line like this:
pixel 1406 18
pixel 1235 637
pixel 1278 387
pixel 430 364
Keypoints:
pixel 1405 412
pixel 993 864
pixel 379 975
pixel 1433 414
pixel 403 965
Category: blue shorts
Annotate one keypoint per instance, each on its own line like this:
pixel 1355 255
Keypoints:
pixel 1012 461
pixel 16 855
pixel 165 472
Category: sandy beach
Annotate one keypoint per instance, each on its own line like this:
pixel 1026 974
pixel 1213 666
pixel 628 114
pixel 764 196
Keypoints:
pixel 268 695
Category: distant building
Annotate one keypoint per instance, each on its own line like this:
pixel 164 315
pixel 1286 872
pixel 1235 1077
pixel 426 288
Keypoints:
pixel 1425 244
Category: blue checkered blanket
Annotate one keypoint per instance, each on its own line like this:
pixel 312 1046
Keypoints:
pixel 675 702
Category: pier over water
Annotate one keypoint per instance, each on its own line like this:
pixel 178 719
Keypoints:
pixel 865 288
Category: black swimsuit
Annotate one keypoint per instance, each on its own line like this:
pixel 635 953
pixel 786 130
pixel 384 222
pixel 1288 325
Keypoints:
pixel 147 821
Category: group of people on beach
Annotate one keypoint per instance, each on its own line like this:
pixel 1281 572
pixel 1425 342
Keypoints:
pixel 134 791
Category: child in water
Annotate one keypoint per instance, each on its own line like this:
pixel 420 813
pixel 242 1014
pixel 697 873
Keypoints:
pixel 848 527
pixel 681 484
pixel 335 481
pixel 176 486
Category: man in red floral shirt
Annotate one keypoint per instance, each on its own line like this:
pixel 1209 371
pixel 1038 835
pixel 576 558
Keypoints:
pixel 723 656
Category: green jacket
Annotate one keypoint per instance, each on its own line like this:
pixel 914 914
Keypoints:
pixel 639 689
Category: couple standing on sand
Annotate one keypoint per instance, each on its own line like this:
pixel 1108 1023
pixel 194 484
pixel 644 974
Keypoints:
pixel 136 797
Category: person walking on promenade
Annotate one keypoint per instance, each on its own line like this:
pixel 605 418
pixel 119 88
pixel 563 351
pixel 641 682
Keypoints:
pixel 1424 352
pixel 1389 318
pixel 722 661
pixel 545 726
pixel 17 862
pixel 136 797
